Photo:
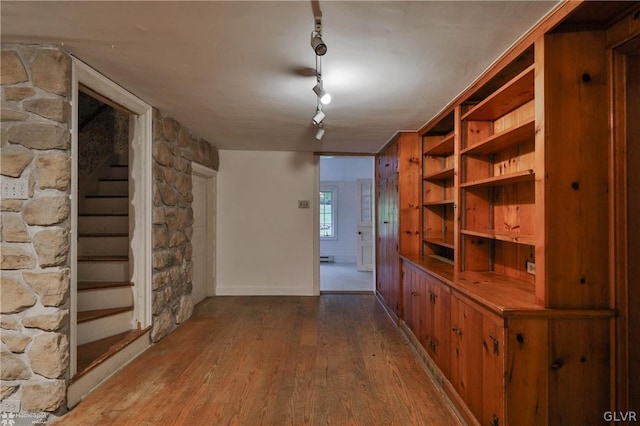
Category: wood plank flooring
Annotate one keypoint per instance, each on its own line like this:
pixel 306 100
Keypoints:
pixel 330 360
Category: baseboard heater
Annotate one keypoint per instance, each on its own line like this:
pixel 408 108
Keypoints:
pixel 327 259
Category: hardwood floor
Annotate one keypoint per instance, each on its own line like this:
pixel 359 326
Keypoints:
pixel 334 359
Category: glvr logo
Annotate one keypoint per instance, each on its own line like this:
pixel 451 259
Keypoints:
pixel 620 416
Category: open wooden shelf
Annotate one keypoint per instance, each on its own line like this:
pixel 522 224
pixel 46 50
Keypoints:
pixel 442 148
pixel 438 203
pixel 516 92
pixel 440 174
pixel 503 140
pixel 508 179
pixel 439 242
pixel 492 235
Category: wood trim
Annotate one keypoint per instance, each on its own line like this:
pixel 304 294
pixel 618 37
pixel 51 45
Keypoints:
pixel 552 19
pixel 344 154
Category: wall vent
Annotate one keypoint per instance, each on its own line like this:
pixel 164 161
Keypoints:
pixel 327 259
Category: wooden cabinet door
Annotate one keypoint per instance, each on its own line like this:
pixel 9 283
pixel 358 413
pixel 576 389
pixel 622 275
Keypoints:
pixel 493 370
pixel 438 332
pixel 466 354
pixel 408 276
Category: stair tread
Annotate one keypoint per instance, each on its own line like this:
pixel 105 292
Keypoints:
pixel 106 196
pixel 92 354
pixel 95 285
pixel 102 258
pixel 103 234
pixel 85 316
pixel 111 179
pixel 102 214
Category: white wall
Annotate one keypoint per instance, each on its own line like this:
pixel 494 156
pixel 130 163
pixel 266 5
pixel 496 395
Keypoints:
pixel 265 243
pixel 342 173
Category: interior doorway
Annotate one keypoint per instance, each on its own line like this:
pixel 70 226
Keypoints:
pixel 346 224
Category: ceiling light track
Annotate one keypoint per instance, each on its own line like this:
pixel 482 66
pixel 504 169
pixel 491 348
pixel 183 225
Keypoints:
pixel 322 96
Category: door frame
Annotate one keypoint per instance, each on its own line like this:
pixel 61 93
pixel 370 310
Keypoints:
pixel 211 176
pixel 140 162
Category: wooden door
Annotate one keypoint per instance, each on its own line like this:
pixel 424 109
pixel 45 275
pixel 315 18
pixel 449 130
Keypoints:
pixel 438 330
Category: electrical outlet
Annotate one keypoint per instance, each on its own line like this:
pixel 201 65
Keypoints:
pixel 531 268
pixel 303 204
pixel 10 406
pixel 14 188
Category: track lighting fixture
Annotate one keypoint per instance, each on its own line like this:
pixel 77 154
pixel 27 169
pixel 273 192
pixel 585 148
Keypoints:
pixel 323 96
pixel 318 45
pixel 317 119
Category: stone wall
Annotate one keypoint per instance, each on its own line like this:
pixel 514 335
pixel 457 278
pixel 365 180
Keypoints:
pixel 35 275
pixel 174 150
pixel 34 281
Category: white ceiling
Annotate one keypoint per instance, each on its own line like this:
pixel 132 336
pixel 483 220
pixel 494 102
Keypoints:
pixel 235 72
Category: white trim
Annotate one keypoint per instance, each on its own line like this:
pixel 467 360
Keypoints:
pixel 316 228
pixel 73 196
pixel 334 210
pixel 141 196
pixel 211 176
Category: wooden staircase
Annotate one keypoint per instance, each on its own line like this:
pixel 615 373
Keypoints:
pixel 105 293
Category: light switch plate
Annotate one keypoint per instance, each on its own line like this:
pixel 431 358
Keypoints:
pixel 14 188
pixel 531 268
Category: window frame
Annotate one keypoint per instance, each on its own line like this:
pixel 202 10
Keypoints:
pixel 334 211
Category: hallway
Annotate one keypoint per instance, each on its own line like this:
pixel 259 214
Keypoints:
pixel 334 359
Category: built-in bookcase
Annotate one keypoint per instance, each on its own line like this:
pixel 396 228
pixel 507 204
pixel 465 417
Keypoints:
pixel 438 195
pixel 497 180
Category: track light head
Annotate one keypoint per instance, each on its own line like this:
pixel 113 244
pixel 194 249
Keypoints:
pixel 317 119
pixel 323 96
pixel 320 133
pixel 318 45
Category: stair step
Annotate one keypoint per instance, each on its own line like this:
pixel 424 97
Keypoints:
pixel 113 187
pixel 103 245
pixel 84 316
pixel 99 224
pixel 104 205
pixel 90 355
pixel 103 268
pixel 101 285
pixel 98 324
pixel 103 297
pixel 118 171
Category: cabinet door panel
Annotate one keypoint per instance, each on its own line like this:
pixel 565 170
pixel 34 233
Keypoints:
pixel 493 383
pixel 438 324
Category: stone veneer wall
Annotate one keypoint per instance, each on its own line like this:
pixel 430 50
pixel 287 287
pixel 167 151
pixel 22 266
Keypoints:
pixel 35 275
pixel 34 281
pixel 174 150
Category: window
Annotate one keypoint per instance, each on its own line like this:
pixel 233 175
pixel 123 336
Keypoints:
pixel 328 211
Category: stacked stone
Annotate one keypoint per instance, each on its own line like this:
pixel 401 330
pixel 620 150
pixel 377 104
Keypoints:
pixel 34 281
pixel 174 150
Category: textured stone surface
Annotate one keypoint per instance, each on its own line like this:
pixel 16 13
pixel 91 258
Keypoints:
pixel 51 321
pixel 16 258
pixel 162 154
pixel 14 229
pixel 52 247
pixel 52 287
pixel 51 71
pixel 16 342
pixel 18 93
pixel 53 109
pixel 12 367
pixel 39 136
pixel 162 325
pixel 184 309
pixel 11 68
pixel 15 295
pixel 10 205
pixel 41 397
pixel 49 355
pixel 46 210
pixel 53 171
pixel 7 390
pixel 14 159
pixel 11 115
